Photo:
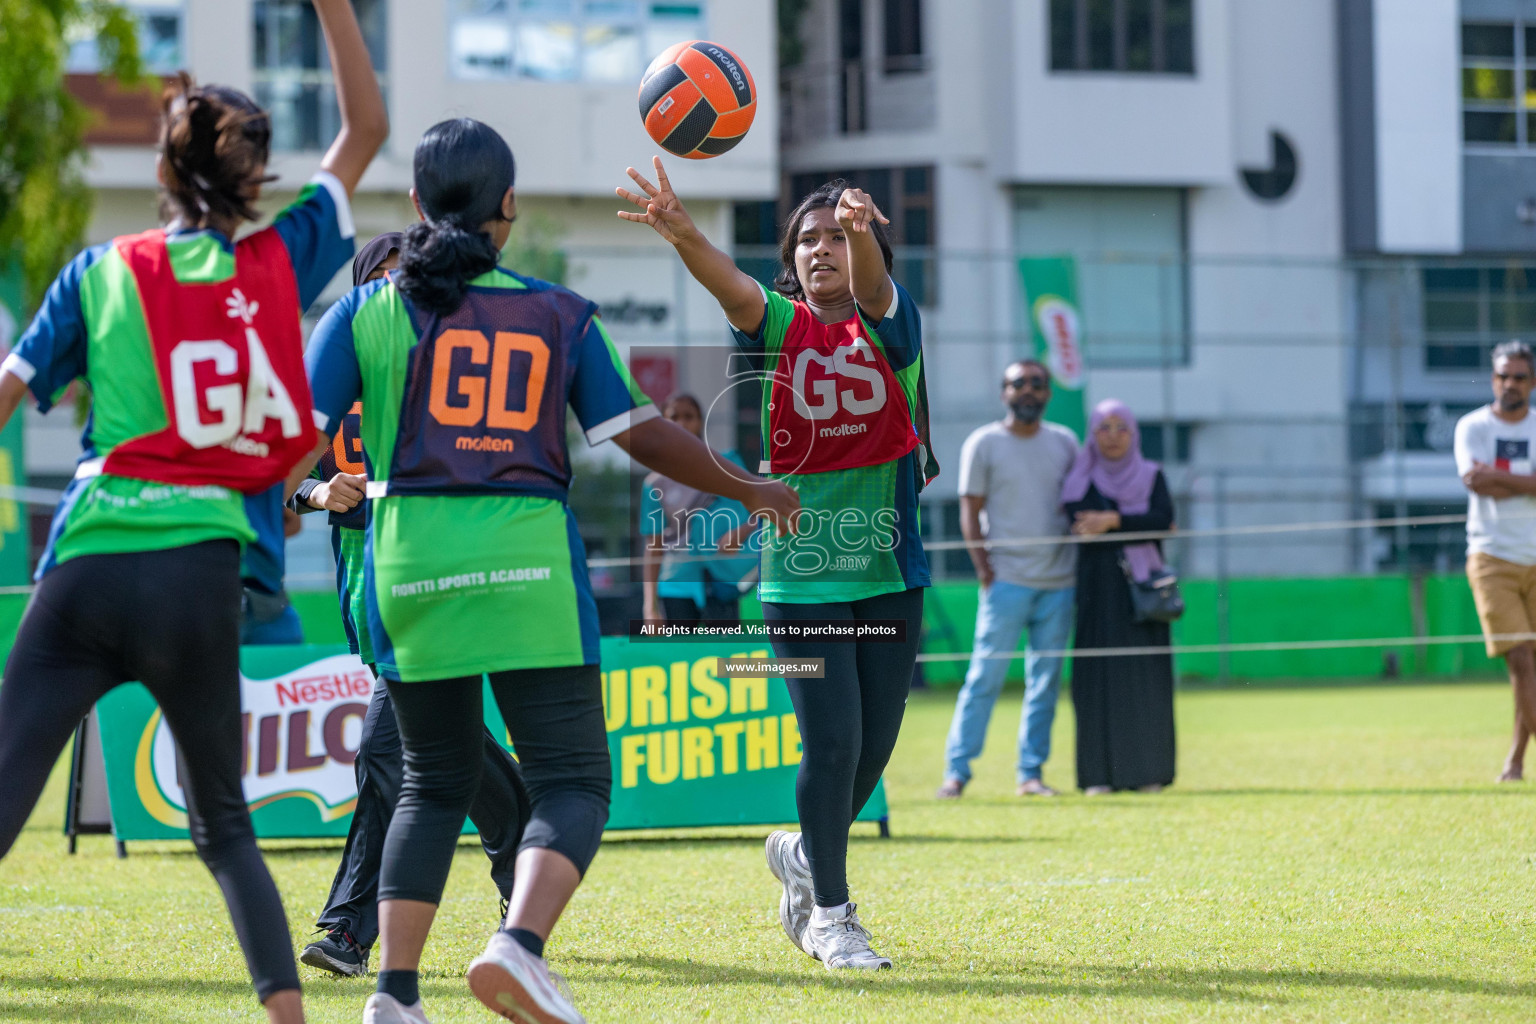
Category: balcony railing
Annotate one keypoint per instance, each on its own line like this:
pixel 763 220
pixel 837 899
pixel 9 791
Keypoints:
pixel 892 94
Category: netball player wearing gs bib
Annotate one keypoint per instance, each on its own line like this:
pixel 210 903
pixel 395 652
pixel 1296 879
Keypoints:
pixel 350 918
pixel 839 348
pixel 473 561
pixel 141 576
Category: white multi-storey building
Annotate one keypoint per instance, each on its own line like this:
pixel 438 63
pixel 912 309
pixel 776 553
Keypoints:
pixel 1296 226
pixel 1185 152
pixel 558 78
pixel 1297 229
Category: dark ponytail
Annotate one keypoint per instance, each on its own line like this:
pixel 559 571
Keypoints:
pixel 214 144
pixel 462 170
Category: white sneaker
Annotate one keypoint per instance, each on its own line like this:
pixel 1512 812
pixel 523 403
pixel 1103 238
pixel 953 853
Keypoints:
pixel 518 985
pixel 786 859
pixel 841 941
pixel 382 1008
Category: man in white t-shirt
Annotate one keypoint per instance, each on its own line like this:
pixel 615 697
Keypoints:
pixel 1010 488
pixel 1495 446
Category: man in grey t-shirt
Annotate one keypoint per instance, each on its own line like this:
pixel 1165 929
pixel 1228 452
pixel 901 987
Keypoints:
pixel 1010 487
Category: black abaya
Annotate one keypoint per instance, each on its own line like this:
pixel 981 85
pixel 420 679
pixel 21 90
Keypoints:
pixel 1124 704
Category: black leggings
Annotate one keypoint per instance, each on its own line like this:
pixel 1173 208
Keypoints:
pixel 555 716
pixel 849 721
pixel 170 619
pixel 499 810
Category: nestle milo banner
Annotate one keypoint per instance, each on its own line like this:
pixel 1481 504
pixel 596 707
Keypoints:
pixel 1056 325
pixel 689 747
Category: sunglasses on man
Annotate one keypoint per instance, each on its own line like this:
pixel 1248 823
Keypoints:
pixel 1031 381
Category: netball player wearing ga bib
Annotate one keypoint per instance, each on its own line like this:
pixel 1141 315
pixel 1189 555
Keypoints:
pixel 192 350
pixel 838 346
pixel 473 563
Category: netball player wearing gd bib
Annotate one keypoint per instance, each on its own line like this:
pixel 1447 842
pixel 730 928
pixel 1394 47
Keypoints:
pixel 192 349
pixel 473 561
pixel 350 918
pixel 838 346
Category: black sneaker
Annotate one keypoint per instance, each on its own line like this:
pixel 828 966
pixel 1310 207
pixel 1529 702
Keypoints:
pixel 501 922
pixel 338 952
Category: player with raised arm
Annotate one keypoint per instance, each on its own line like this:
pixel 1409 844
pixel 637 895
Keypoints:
pixel 844 420
pixel 474 563
pixel 191 345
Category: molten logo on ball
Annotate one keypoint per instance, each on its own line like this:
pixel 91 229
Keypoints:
pixel 697 100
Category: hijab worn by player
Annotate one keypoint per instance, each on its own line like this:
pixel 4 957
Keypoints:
pixel 345 454
pixel 373 254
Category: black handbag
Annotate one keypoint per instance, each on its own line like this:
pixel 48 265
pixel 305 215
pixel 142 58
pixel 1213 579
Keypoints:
pixel 1156 599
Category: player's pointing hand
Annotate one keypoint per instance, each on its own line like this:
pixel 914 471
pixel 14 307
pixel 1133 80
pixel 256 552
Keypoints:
pixel 855 209
pixel 663 210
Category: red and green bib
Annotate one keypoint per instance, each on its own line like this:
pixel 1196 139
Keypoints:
pixel 228 356
pixel 831 400
pixel 838 425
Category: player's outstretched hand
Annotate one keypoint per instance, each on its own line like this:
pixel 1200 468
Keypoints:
pixel 855 209
pixel 340 493
pixel 777 503
pixel 663 210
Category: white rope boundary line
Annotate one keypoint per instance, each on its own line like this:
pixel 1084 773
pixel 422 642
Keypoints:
pixel 41 496
pixel 1234 648
pixel 1262 529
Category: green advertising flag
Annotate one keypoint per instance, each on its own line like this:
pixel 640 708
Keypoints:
pixel 15 563
pixel 689 747
pixel 1056 325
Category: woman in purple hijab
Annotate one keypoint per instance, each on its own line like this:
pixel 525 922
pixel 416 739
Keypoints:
pixel 1124 704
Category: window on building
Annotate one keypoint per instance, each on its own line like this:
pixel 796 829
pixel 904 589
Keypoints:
pixel 940 521
pixel 757 239
pixel 1128 249
pixel 1167 443
pixel 903 36
pixel 1155 36
pixel 1494 88
pixel 160 41
pixel 906 196
pixel 293 72
pixel 565 40
pixel 1440 547
pixel 1379 427
pixel 1469 309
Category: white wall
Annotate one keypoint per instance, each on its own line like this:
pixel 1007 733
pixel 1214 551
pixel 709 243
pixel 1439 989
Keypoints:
pixel 1265 289
pixel 1106 128
pixel 577 138
pixel 1418 125
pixel 569 138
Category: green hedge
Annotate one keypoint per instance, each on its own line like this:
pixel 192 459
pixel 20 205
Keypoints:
pixel 1265 610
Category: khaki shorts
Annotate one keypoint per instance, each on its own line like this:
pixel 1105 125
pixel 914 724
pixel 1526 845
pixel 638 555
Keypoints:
pixel 1505 595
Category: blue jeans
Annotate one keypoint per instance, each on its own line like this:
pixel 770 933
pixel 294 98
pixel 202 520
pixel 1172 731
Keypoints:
pixel 1007 610
pixel 269 619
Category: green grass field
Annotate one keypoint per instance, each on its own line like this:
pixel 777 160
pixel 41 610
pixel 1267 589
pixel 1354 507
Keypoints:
pixel 1327 855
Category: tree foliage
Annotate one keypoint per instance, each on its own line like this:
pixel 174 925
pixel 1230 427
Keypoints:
pixel 44 201
pixel 791 45
pixel 534 247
